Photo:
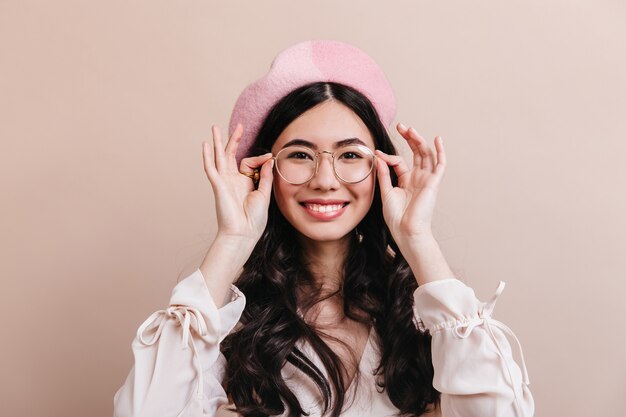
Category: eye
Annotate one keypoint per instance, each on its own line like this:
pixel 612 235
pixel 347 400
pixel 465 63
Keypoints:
pixel 350 155
pixel 299 155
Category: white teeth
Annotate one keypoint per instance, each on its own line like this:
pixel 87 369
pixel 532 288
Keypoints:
pixel 324 208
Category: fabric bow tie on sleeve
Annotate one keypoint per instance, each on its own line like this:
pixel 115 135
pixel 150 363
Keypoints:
pixel 450 305
pixel 189 318
pixel 464 329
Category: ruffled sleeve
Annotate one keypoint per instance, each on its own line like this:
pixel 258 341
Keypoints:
pixel 178 366
pixel 472 358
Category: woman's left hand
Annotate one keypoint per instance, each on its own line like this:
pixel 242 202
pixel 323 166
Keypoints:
pixel 408 208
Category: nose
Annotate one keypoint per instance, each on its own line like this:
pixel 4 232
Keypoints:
pixel 325 178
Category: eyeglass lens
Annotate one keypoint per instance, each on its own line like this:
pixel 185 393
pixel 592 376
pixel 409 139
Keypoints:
pixel 296 164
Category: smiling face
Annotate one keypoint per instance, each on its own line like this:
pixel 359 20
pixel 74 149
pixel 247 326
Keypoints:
pixel 324 209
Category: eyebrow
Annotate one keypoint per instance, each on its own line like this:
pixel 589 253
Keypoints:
pixel 344 142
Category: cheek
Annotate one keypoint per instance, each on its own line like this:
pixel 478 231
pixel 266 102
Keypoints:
pixel 279 194
pixel 367 189
pixel 283 192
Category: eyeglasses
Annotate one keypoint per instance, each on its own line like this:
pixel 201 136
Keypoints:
pixel 351 164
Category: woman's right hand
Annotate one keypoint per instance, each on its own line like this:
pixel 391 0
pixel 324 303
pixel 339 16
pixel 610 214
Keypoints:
pixel 241 210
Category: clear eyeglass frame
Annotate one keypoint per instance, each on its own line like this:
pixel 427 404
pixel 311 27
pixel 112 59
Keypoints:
pixel 333 155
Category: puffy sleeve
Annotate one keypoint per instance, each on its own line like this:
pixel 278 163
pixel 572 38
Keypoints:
pixel 178 366
pixel 472 359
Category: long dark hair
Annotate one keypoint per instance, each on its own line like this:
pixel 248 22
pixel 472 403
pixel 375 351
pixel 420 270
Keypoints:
pixel 377 290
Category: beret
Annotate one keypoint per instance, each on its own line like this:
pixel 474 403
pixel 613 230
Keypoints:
pixel 304 63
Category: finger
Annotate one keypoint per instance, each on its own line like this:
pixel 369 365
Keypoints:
pixel 208 162
pixel 267 178
pixel 417 153
pixel 428 157
pixel 233 144
pixel 397 163
pixel 218 149
pixel 249 164
pixel 441 156
pixel 384 179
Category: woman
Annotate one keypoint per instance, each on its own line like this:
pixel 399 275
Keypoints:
pixel 344 283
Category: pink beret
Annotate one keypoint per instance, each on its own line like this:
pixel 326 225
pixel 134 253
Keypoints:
pixel 304 63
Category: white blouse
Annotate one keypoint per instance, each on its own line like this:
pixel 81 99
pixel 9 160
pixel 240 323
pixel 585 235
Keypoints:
pixel 179 368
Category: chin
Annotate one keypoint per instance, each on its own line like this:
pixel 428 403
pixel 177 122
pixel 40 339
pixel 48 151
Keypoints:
pixel 324 236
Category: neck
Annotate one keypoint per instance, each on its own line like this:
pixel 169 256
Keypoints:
pixel 326 261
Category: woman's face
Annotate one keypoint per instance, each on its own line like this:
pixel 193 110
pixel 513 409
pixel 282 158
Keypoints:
pixel 312 208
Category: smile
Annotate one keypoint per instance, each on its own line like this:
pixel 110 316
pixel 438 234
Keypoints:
pixel 324 211
pixel 324 208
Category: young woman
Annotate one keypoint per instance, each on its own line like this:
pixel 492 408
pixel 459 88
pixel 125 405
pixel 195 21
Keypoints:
pixel 324 291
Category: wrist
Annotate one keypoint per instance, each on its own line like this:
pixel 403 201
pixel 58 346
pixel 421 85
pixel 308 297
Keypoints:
pixel 425 258
pixel 238 243
pixel 417 240
pixel 233 251
pixel 223 264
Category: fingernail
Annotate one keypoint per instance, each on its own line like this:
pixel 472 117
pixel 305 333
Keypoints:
pixel 403 127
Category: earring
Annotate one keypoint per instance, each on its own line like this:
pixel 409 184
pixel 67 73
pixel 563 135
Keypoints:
pixel 359 237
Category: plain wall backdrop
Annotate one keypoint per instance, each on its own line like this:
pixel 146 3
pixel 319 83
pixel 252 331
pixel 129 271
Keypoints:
pixel 105 204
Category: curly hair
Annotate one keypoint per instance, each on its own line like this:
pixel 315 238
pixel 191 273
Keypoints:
pixel 377 290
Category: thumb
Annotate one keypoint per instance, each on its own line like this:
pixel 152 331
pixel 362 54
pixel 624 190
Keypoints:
pixel 267 177
pixel 384 178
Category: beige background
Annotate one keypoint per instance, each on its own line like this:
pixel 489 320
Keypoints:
pixel 105 205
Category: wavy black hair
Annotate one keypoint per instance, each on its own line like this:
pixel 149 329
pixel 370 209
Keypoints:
pixel 377 290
